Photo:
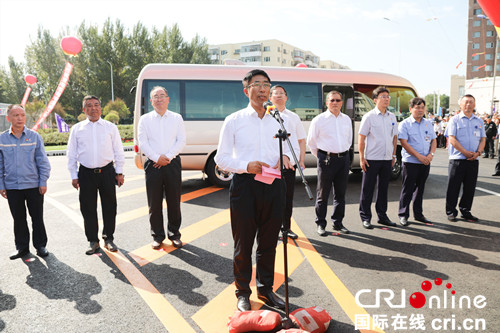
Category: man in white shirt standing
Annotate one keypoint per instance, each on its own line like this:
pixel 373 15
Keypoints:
pixel 162 137
pixel 293 126
pixel 95 144
pixel 329 138
pixel 246 145
pixel 378 137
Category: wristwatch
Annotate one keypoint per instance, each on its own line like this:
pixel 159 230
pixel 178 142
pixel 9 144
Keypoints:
pixel 432 154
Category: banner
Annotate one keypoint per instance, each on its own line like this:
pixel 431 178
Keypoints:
pixel 59 91
pixel 25 97
pixel 62 127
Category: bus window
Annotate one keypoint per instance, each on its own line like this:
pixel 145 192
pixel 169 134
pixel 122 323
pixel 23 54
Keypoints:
pixel 347 94
pixel 362 105
pixel 213 100
pixel 173 88
pixel 303 98
pixel 400 97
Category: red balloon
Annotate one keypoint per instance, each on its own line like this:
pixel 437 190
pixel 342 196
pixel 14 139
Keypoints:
pixel 301 65
pixel 71 45
pixel 30 79
pixel 492 10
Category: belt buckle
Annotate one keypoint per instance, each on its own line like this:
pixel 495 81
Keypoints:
pixel 97 170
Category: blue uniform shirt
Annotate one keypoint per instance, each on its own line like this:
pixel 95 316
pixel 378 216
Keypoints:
pixel 418 135
pixel 468 131
pixel 23 162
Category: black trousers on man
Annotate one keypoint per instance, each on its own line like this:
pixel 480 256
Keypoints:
pixel 92 181
pixel 414 176
pixel 163 182
pixel 18 200
pixel 489 147
pixel 256 213
pixel 378 170
pixel 461 172
pixel 333 171
pixel 289 176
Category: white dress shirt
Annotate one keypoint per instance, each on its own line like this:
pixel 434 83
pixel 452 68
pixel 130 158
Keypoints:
pixel 293 125
pixel 161 135
pixel 379 130
pixel 245 137
pixel 330 133
pixel 94 145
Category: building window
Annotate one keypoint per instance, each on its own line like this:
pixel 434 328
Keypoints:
pixel 498 68
pixel 475 46
pixel 279 59
pixel 237 51
pixel 476 57
pixel 476 34
pixel 477 11
pixel 489 22
pixel 476 23
pixel 490 33
pixel 488 56
pixel 488 68
pixel 279 50
pixel 223 52
pixel 267 48
pixel 474 68
pixel 284 51
pixel 267 59
pixel 489 45
pixel 284 62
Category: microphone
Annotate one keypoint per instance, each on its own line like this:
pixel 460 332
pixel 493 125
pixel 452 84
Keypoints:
pixel 269 107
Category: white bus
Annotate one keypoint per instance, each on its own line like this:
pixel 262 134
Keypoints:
pixel 205 94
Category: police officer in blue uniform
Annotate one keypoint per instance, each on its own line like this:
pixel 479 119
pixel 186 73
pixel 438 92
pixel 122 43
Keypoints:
pixel 467 140
pixel 418 140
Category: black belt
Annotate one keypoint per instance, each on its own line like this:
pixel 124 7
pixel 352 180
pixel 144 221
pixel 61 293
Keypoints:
pixel 334 154
pixel 97 170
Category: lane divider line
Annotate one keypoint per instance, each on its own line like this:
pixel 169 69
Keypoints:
pixel 488 191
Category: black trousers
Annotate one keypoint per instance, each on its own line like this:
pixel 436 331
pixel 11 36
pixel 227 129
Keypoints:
pixel 497 166
pixel 92 182
pixel 489 148
pixel 289 176
pixel 378 171
pixel 18 200
pixel 333 173
pixel 256 212
pixel 461 172
pixel 414 176
pixel 164 182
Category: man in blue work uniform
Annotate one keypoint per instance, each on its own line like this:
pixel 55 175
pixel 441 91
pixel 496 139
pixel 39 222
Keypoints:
pixel 467 140
pixel 24 170
pixel 418 140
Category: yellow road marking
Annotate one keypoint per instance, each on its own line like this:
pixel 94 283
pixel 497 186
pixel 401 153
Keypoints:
pixel 146 254
pixel 213 317
pixel 166 313
pixel 342 295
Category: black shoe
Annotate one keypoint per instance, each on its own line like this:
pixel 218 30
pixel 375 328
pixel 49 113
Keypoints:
pixel 387 223
pixel 291 234
pixel 272 300
pixel 496 174
pixel 321 230
pixel 452 218
pixel 367 225
pixel 42 252
pixel 470 218
pixel 19 254
pixel 423 219
pixel 243 304
pixel 177 243
pixel 156 245
pixel 341 228
pixel 110 246
pixel 403 221
pixel 93 248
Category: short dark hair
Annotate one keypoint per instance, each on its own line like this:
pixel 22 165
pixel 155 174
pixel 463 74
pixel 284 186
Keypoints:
pixel 13 106
pixel 468 95
pixel 253 73
pixel 416 101
pixel 333 92
pixel 278 86
pixel 86 98
pixel 378 91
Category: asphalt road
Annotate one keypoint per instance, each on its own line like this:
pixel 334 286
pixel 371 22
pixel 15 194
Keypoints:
pixel 183 290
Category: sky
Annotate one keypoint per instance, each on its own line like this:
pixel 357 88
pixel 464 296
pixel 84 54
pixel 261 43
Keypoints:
pixel 420 40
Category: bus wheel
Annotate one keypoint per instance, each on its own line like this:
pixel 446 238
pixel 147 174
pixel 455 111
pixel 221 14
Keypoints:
pixel 216 175
pixel 396 169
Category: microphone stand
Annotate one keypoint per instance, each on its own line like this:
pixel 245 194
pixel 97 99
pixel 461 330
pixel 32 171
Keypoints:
pixel 282 135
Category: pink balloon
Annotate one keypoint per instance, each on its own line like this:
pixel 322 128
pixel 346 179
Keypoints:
pixel 30 79
pixel 301 65
pixel 71 45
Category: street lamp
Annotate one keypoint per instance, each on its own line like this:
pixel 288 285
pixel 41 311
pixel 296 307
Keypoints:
pixel 112 90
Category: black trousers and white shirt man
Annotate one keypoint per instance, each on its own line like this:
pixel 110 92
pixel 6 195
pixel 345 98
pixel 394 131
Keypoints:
pixel 162 137
pixel 246 145
pixel 95 145
pixel 329 138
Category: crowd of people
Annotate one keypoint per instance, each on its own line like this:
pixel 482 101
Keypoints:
pixel 258 209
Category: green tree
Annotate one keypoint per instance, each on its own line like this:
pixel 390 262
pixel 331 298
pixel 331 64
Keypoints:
pixel 17 85
pixel 113 117
pixel 33 111
pixel 82 116
pixel 119 107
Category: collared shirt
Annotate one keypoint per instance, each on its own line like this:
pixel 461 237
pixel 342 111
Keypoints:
pixel 468 131
pixel 161 135
pixel 94 145
pixel 294 127
pixel 379 130
pixel 23 162
pixel 245 137
pixel 330 133
pixel 418 135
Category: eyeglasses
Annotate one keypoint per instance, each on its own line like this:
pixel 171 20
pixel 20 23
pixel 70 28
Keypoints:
pixel 335 100
pixel 384 97
pixel 266 85
pixel 160 96
pixel 278 93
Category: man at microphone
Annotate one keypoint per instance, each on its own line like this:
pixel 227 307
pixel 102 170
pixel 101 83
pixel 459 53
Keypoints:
pixel 246 146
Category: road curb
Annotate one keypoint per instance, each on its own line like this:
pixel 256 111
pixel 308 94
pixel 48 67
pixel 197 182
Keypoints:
pixel 63 152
